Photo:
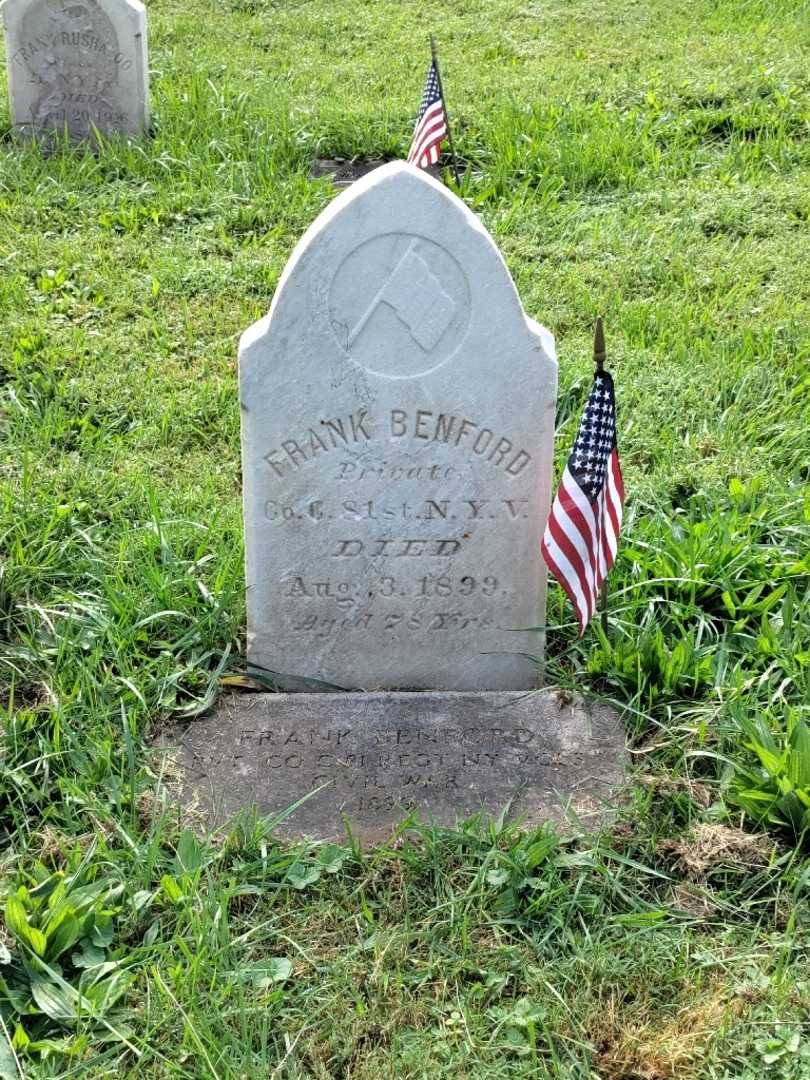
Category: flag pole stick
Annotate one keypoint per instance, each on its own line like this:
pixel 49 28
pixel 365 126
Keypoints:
pixel 434 52
pixel 599 355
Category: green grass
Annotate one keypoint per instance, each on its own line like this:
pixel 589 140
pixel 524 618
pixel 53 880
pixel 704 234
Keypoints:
pixel 649 162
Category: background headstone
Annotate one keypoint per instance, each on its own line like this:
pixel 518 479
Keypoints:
pixel 375 758
pixel 397 437
pixel 77 66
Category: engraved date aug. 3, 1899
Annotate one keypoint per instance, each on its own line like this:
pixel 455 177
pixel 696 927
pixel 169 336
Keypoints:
pixel 347 594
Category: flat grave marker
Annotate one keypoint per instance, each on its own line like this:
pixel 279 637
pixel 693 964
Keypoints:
pixel 77 66
pixel 373 759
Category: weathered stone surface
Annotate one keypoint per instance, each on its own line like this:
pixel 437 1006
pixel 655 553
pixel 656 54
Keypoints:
pixel 397 438
pixel 376 758
pixel 77 65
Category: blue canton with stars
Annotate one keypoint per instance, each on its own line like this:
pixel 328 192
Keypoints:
pixel 431 93
pixel 596 438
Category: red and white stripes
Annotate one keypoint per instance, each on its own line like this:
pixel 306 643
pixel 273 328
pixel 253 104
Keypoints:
pixel 581 538
pixel 428 136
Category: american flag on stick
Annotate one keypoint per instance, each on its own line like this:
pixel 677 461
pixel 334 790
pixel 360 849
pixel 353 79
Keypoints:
pixel 431 123
pixel 582 532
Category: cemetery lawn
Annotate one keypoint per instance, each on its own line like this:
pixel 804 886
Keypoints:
pixel 646 161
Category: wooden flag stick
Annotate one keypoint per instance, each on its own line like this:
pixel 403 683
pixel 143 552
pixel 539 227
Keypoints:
pixel 435 54
pixel 599 355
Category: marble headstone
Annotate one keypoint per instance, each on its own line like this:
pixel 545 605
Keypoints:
pixel 78 66
pixel 397 436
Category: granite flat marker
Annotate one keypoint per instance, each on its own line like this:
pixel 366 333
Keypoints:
pixel 375 758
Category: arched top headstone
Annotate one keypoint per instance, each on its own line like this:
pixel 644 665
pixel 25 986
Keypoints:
pixel 397 429
pixel 77 66
pixel 402 237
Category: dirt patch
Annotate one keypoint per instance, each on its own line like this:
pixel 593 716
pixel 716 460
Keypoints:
pixel 6 940
pixel 345 171
pixel 644 1048
pixel 53 847
pixel 708 848
pixel 693 900
pixel 27 695
pixel 700 794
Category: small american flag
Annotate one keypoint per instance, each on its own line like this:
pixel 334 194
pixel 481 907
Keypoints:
pixel 582 532
pixel 431 124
